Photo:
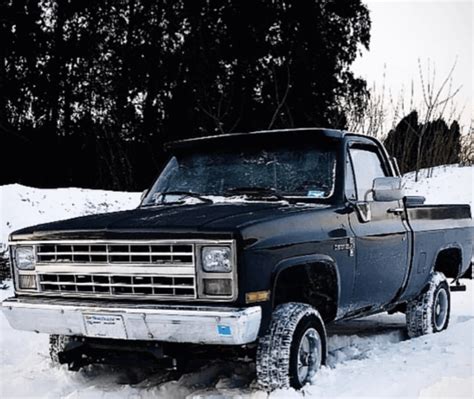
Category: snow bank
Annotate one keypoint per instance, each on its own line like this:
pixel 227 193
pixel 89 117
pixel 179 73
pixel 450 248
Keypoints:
pixel 22 206
pixel 451 184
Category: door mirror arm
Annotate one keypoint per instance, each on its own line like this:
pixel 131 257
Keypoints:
pixel 363 210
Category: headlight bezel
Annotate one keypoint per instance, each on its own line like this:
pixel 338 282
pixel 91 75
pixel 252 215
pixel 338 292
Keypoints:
pixel 230 273
pixel 19 272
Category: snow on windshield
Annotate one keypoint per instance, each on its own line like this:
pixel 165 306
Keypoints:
pixel 294 172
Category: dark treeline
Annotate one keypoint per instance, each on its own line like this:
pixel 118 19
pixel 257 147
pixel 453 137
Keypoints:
pixel 90 90
pixel 440 144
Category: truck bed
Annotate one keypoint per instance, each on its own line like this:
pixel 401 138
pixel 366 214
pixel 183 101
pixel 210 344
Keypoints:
pixel 436 228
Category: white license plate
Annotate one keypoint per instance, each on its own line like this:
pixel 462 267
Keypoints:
pixel 104 326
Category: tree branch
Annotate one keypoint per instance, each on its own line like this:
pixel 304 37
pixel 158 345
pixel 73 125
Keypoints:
pixel 282 102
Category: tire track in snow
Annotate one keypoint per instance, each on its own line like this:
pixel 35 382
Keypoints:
pixel 348 341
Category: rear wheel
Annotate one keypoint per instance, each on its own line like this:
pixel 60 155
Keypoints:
pixel 429 312
pixel 293 349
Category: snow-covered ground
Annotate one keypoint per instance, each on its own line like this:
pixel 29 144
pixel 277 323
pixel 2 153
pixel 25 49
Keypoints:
pixel 369 357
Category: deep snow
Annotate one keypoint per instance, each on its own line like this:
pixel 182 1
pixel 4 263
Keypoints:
pixel 369 357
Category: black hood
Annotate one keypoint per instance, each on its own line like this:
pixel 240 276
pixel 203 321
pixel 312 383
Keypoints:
pixel 189 220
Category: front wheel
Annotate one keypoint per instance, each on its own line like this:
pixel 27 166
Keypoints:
pixel 429 312
pixel 57 344
pixel 293 349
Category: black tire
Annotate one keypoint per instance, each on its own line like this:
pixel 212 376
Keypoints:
pixel 294 325
pixel 429 312
pixel 57 343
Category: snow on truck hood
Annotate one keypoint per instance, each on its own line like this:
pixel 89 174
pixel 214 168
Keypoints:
pixel 223 216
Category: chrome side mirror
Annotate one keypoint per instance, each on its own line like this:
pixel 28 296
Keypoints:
pixel 386 189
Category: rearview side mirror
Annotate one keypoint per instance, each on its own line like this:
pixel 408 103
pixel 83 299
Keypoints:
pixel 387 189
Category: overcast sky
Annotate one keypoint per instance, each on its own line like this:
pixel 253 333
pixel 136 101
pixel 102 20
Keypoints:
pixel 404 31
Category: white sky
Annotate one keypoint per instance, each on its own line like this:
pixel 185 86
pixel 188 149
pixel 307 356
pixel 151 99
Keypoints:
pixel 404 31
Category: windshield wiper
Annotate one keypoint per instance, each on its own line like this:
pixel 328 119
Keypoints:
pixel 186 194
pixel 182 194
pixel 256 192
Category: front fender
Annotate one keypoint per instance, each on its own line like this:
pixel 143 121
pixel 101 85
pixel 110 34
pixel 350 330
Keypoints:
pixel 300 261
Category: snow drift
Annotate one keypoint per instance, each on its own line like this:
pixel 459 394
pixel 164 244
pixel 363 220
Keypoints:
pixel 22 206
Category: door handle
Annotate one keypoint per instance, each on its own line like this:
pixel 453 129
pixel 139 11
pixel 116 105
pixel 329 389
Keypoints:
pixel 396 211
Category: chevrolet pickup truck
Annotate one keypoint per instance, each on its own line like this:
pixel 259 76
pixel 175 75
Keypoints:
pixel 246 243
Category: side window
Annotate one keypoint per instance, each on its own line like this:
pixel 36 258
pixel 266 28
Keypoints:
pixel 367 166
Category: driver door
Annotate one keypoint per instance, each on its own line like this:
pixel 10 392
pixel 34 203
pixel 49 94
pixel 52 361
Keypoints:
pixel 381 236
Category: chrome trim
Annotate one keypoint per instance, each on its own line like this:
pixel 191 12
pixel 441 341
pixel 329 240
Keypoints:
pixel 184 324
pixel 119 284
pixel 129 268
pixel 118 242
pixel 124 252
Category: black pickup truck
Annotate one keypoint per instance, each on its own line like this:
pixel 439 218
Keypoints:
pixel 246 242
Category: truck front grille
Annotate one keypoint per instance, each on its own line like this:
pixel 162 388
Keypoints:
pixel 118 284
pixel 174 254
pixel 153 269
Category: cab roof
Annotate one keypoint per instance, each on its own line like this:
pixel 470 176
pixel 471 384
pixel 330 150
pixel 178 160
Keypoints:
pixel 260 136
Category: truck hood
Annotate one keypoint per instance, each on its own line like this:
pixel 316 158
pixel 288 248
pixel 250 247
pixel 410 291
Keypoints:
pixel 189 220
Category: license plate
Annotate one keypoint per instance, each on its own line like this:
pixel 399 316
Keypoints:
pixel 104 326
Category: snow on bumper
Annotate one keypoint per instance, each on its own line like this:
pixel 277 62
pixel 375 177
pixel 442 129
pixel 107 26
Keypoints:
pixel 186 324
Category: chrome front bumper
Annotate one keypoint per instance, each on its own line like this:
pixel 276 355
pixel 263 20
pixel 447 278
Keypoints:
pixel 185 324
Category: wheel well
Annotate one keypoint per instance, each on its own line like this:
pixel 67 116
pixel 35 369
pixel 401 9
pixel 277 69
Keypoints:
pixel 312 283
pixel 449 262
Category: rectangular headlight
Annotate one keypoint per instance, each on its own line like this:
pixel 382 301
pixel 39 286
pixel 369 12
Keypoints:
pixel 25 258
pixel 27 282
pixel 216 259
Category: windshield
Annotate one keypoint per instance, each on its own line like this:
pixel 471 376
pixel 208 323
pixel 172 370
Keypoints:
pixel 298 171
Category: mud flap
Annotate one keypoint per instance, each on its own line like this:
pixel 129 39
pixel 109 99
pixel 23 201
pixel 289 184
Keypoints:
pixel 457 287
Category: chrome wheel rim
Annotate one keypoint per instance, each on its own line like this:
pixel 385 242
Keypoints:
pixel 309 355
pixel 440 309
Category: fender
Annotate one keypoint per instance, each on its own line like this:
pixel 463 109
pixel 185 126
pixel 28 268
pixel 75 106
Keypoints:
pixel 300 261
pixel 432 269
pixel 452 245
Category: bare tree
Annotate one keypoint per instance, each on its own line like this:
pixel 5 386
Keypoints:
pixel 220 109
pixel 372 118
pixel 467 149
pixel 383 112
pixel 435 100
pixel 280 102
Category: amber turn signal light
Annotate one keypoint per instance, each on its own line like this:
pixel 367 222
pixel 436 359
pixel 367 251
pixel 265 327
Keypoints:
pixel 257 296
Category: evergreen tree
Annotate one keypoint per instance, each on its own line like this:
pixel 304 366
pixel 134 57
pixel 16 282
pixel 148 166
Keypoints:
pixel 440 144
pixel 90 90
